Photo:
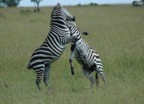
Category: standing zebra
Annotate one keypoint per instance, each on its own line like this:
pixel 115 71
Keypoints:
pixel 85 56
pixel 138 3
pixel 53 46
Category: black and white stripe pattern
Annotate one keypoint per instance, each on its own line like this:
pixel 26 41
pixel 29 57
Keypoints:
pixel 86 56
pixel 138 3
pixel 53 46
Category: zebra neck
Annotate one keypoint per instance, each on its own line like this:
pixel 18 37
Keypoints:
pixel 58 21
pixel 56 25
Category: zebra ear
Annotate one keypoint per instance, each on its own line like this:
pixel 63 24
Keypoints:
pixel 58 5
pixel 85 33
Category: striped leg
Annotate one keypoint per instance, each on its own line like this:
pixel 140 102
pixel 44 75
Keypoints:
pixel 93 68
pixel 99 70
pixel 96 79
pixel 72 55
pixel 46 74
pixel 103 78
pixel 71 66
pixel 88 75
pixel 39 73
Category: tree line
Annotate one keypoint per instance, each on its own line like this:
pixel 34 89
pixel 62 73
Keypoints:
pixel 15 3
pixel 138 3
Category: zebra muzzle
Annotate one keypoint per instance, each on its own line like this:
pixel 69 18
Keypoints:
pixel 74 18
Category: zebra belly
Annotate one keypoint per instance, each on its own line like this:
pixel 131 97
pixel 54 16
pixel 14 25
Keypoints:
pixel 44 55
pixel 83 60
pixel 50 58
pixel 87 67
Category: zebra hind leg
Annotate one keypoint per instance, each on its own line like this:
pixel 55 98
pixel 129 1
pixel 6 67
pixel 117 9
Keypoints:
pixel 39 73
pixel 46 74
pixel 93 68
pixel 97 79
pixel 103 77
pixel 89 76
pixel 91 80
pixel 99 70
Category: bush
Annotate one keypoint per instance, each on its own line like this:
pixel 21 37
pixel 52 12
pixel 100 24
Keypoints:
pixel 79 4
pixel 93 4
pixel 25 11
pixel 10 3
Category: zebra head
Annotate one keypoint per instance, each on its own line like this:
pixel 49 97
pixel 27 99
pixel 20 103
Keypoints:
pixel 75 31
pixel 69 17
pixel 58 9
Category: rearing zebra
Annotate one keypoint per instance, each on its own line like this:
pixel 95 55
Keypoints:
pixel 86 56
pixel 54 44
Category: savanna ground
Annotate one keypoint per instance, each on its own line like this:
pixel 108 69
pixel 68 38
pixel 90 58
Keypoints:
pixel 116 33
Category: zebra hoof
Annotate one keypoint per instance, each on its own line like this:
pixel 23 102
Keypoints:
pixel 39 88
pixel 45 82
pixel 72 72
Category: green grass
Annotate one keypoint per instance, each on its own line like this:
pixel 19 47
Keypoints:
pixel 116 33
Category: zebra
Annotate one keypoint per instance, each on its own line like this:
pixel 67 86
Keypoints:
pixel 86 56
pixel 53 46
pixel 138 3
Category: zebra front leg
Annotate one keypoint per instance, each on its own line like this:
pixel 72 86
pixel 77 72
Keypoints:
pixel 46 74
pixel 71 66
pixel 72 55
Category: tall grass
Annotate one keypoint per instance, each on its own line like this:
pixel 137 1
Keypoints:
pixel 116 33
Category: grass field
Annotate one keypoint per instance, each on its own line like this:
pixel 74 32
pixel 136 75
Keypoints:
pixel 116 33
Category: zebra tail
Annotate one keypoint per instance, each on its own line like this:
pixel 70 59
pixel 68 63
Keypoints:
pixel 85 33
